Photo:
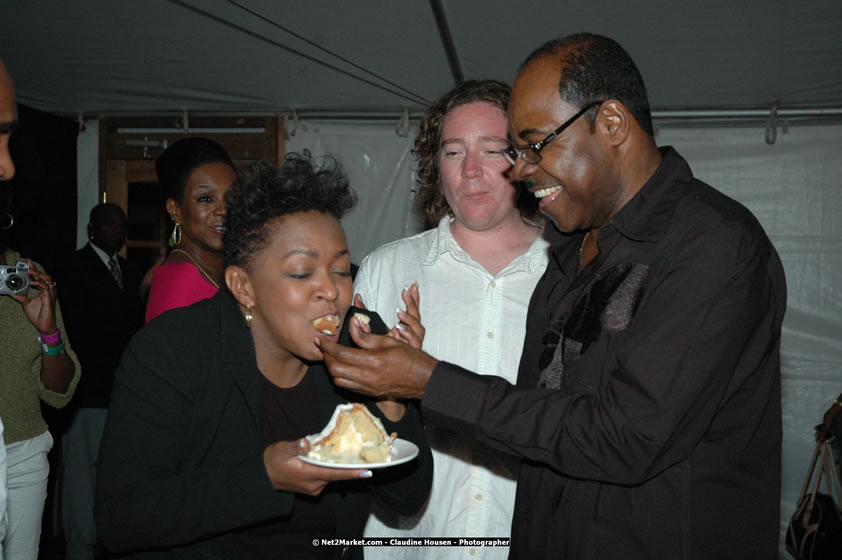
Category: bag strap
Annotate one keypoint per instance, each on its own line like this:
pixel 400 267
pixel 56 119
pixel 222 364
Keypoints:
pixel 818 482
pixel 810 471
pixel 831 473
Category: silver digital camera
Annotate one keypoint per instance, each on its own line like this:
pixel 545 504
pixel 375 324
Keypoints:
pixel 14 280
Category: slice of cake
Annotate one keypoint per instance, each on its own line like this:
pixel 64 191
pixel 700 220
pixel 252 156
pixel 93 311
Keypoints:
pixel 353 435
pixel 363 318
pixel 327 324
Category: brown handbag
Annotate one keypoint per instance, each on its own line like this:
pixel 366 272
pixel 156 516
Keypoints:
pixel 815 529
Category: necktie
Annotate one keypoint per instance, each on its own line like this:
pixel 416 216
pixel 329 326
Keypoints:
pixel 115 271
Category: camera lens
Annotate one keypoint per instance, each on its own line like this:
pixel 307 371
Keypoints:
pixel 15 282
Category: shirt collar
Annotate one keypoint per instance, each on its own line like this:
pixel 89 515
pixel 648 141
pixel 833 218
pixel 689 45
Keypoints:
pixel 535 257
pixel 644 218
pixel 647 215
pixel 100 253
pixel 443 242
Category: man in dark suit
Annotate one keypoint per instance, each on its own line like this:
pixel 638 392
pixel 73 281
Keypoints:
pixel 99 294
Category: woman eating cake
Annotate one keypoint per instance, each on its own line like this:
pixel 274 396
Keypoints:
pixel 200 456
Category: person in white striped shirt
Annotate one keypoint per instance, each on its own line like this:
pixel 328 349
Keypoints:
pixel 475 270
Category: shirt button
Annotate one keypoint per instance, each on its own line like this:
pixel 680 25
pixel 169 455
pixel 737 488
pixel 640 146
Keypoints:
pixel 490 334
pixel 478 496
pixel 472 551
pixel 493 284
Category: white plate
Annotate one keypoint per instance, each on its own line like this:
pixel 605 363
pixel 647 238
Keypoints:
pixel 401 452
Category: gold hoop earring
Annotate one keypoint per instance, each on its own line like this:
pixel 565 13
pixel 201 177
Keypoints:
pixel 175 236
pixel 248 317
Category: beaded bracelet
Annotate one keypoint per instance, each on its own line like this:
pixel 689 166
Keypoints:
pixel 837 402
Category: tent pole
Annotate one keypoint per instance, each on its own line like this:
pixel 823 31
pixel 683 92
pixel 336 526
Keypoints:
pixel 829 114
pixel 447 41
pixel 746 113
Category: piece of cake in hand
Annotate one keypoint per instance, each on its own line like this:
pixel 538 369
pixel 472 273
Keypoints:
pixel 353 436
pixel 362 318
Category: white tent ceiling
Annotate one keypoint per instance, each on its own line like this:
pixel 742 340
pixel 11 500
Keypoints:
pixel 369 56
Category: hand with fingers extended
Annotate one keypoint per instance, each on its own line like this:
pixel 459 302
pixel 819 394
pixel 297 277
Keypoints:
pixel 409 328
pixel 289 473
pixel 382 367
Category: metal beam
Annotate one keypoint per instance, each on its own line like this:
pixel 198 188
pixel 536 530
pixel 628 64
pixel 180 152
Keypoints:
pixel 447 41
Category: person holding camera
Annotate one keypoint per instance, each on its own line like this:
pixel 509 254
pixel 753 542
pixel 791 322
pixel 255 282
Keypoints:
pixel 37 365
pixel 8 120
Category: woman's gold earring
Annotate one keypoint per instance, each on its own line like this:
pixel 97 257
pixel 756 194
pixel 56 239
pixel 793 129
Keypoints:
pixel 249 316
pixel 175 236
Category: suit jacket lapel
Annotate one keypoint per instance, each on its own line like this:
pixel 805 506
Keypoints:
pixel 237 352
pixel 100 269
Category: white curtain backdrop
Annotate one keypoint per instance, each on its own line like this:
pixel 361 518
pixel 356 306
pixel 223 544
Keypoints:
pixel 87 184
pixel 381 169
pixel 794 187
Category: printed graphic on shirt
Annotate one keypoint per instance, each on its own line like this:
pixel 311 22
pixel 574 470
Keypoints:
pixel 607 303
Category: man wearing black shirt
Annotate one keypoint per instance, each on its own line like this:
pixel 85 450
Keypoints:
pixel 647 406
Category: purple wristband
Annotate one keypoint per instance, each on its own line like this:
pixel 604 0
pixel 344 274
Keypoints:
pixel 51 338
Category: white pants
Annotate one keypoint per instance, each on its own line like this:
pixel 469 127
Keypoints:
pixel 2 490
pixel 80 448
pixel 27 473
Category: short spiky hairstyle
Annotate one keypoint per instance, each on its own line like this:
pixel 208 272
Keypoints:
pixel 597 68
pixel 430 198
pixel 264 193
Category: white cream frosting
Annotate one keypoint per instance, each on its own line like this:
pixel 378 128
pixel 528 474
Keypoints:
pixel 351 449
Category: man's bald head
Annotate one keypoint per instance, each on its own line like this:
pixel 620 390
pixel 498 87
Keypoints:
pixel 8 120
pixel 107 228
pixel 596 67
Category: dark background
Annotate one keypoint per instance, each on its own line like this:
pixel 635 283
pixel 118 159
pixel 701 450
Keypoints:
pixel 42 195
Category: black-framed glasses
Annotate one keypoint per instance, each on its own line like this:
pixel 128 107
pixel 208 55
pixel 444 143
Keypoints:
pixel 531 153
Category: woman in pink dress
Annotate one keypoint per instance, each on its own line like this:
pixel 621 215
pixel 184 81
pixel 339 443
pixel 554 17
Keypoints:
pixel 195 174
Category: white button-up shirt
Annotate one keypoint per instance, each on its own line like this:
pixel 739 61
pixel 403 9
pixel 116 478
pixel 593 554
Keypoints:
pixel 474 320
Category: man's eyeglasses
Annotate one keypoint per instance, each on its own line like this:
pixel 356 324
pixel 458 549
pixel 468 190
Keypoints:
pixel 531 153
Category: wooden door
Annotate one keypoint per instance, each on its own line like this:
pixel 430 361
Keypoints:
pixel 128 148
